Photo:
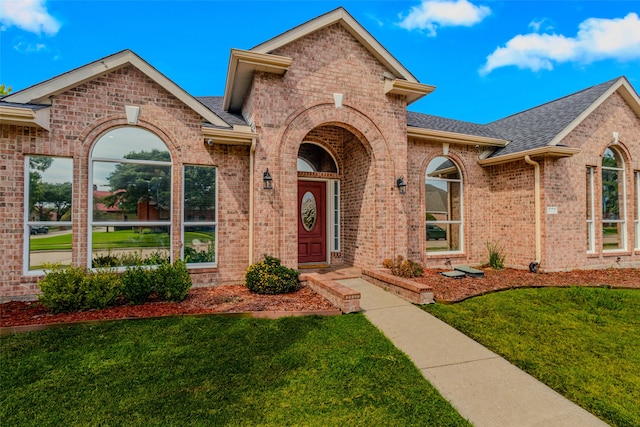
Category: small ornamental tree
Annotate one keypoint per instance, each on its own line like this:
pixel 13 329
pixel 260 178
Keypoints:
pixel 270 277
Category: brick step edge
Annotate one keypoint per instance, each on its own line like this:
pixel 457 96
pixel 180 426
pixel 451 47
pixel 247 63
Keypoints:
pixel 417 293
pixel 346 299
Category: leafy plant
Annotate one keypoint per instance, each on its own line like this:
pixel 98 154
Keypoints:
pixel 403 268
pixel 172 281
pixel 270 277
pixel 76 288
pixel 137 284
pixel 496 255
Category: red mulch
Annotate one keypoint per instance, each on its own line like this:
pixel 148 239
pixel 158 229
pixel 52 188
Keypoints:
pixel 451 290
pixel 235 299
pixel 217 299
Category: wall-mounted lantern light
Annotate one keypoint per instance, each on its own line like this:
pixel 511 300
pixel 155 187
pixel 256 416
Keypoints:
pixel 402 186
pixel 268 181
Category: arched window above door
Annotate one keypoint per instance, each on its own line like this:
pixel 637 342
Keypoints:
pixel 314 158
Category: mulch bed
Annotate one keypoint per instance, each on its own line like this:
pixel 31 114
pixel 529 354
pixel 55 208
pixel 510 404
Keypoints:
pixel 238 299
pixel 217 299
pixel 454 290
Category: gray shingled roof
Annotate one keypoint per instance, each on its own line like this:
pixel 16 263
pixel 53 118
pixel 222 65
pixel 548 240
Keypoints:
pixel 214 103
pixel 533 128
pixel 33 107
pixel 427 121
pixel 538 126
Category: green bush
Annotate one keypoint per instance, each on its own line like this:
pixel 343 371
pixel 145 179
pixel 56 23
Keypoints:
pixel 137 284
pixel 172 282
pixel 496 255
pixel 75 288
pixel 403 267
pixel 270 277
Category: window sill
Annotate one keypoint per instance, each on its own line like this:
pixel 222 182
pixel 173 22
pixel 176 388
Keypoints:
pixel 443 255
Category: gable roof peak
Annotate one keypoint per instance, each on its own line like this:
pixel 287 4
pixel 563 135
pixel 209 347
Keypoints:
pixel 342 17
pixel 42 93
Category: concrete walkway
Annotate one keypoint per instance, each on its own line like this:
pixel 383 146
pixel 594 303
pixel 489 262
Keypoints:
pixel 485 388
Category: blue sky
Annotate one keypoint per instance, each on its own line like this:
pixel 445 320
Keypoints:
pixel 487 59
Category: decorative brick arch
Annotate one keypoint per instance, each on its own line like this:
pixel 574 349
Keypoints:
pixel 381 168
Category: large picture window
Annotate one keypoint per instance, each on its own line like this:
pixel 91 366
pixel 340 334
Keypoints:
pixel 48 210
pixel 130 199
pixel 443 185
pixel 200 215
pixel 613 202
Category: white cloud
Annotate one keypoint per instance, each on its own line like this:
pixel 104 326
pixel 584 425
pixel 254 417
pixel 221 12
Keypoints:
pixel 28 15
pixel 433 14
pixel 597 39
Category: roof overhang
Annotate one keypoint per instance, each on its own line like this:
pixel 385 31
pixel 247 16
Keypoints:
pixel 547 151
pixel 239 135
pixel 242 65
pixel 23 116
pixel 412 90
pixel 43 92
pixel 454 138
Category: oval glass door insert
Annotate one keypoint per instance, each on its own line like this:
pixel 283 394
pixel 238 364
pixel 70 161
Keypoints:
pixel 308 211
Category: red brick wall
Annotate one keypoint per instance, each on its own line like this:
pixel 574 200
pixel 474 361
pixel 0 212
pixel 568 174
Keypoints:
pixel 287 110
pixel 80 116
pixel 565 241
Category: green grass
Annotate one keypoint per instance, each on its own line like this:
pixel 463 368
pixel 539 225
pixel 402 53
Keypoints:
pixel 582 342
pixel 313 371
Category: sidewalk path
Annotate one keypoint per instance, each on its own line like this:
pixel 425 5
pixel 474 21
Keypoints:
pixel 482 386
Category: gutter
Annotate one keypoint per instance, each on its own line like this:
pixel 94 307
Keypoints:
pixel 536 167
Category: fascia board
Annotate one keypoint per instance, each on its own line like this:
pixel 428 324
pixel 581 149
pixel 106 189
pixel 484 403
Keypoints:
pixel 455 138
pixel 547 151
pixel 26 116
pixel 412 90
pixel 41 93
pixel 242 65
pixel 236 136
pixel 342 17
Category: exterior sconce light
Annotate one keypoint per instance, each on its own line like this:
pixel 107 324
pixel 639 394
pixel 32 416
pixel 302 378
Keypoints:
pixel 402 186
pixel 268 181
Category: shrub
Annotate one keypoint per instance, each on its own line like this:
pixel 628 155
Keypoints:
pixel 75 288
pixel 107 260
pixel 101 289
pixel 270 277
pixel 403 268
pixel 137 284
pixel 172 282
pixel 496 255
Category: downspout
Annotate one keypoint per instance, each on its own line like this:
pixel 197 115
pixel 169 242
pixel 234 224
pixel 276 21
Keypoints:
pixel 533 267
pixel 252 174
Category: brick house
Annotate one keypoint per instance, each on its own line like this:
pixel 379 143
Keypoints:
pixel 310 156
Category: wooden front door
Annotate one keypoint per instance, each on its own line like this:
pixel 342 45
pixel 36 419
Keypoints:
pixel 312 223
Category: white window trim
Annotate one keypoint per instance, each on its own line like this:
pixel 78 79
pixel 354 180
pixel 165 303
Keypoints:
pixel 26 250
pixel 91 223
pixel 186 223
pixel 459 222
pixel 335 216
pixel 591 228
pixel 623 215
pixel 637 208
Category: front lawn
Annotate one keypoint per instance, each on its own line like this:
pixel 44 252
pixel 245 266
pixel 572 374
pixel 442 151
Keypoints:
pixel 583 342
pixel 317 371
